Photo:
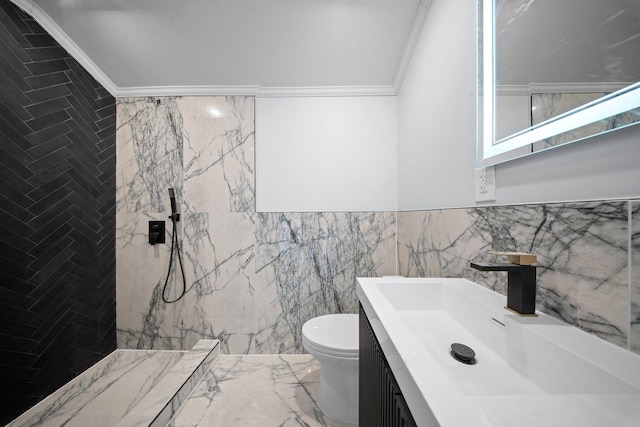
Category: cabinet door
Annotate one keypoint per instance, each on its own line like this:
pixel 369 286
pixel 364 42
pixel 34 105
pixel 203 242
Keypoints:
pixel 381 401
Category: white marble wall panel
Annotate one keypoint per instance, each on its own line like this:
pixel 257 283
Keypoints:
pixel 315 259
pixel 252 279
pixel 218 154
pixel 149 153
pixel 634 334
pixel 581 247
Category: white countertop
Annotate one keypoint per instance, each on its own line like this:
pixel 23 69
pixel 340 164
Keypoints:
pixel 529 372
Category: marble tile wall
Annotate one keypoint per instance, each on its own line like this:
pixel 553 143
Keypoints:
pixel 252 279
pixel 588 257
pixel 634 291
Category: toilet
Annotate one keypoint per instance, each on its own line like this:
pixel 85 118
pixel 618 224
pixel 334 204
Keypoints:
pixel 333 341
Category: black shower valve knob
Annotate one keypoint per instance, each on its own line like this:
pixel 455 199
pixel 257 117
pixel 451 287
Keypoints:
pixel 157 233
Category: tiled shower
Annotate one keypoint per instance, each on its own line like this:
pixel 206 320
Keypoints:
pixel 83 175
pixel 253 278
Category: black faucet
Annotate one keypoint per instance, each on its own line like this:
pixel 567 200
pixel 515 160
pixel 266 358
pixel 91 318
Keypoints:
pixel 521 285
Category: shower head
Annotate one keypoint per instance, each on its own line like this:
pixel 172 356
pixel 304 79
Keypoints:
pixel 172 198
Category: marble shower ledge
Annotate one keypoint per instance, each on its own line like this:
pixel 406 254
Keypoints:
pixel 125 386
pixel 164 400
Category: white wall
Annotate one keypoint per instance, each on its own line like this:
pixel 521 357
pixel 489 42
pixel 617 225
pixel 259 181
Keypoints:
pixel 326 154
pixel 436 147
pixel 436 111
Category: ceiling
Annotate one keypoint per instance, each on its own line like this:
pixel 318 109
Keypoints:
pixel 160 47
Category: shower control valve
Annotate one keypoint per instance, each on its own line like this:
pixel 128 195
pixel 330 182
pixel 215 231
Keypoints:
pixel 157 233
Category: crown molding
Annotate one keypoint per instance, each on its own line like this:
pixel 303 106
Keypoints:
pixel 273 92
pixel 414 35
pixel 66 42
pixel 142 91
pixel 257 91
pixel 44 20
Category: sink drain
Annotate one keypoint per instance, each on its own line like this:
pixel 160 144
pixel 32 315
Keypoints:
pixel 463 354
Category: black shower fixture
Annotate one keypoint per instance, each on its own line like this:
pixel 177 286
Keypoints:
pixel 157 232
pixel 174 217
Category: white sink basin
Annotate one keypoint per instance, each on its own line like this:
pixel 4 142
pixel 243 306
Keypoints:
pixel 525 359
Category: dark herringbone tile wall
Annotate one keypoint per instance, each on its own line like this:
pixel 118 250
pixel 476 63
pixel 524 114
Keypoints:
pixel 57 215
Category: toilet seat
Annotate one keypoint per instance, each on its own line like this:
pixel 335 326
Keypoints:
pixel 332 335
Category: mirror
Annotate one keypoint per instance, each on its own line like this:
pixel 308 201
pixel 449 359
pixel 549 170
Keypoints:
pixel 552 73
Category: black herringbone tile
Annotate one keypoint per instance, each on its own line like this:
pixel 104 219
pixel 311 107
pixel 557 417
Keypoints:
pixel 57 174
pixel 12 124
pixel 46 67
pixel 47 93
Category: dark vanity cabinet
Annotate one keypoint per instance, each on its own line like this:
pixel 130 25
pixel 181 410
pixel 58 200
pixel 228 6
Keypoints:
pixel 381 401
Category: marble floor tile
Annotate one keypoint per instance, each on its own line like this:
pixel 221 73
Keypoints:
pixel 257 390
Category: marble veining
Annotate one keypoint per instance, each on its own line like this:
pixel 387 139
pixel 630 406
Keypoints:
pixel 258 280
pixel 252 278
pixel 317 257
pixel 122 379
pixel 545 106
pixel 582 253
pixel 158 406
pixel 256 390
pixel 218 154
pixel 634 338
pixel 149 153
